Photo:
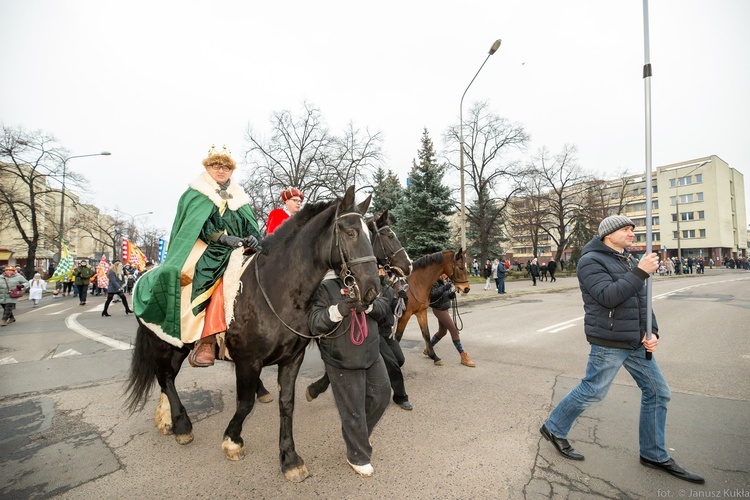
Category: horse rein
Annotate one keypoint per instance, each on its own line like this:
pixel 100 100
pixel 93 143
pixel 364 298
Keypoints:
pixel 345 273
pixel 453 273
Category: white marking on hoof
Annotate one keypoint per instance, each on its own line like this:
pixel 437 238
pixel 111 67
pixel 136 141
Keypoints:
pixel 184 438
pixel 163 419
pixel 232 450
pixel 266 398
pixel 298 474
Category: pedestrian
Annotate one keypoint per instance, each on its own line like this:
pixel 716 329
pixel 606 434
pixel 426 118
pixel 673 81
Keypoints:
pixel 562 264
pixel 669 264
pixel 115 287
pixel 82 276
pixel 37 287
pixel 501 272
pixel 350 348
pixel 487 274
pixel 390 348
pixel 533 270
pixel 543 272
pixel 12 286
pixel 183 298
pixel 475 266
pixel 552 267
pixel 441 296
pixel 495 265
pixel 67 282
pixel 614 296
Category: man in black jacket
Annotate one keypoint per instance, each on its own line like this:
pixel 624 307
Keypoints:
pixel 351 354
pixel 614 297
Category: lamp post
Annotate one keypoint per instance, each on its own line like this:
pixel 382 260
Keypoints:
pixel 132 217
pixel 493 49
pixel 677 210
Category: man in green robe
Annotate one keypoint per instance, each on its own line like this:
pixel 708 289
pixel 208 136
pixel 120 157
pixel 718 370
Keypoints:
pixel 174 300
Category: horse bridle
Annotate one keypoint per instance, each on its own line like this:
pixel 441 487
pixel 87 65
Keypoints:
pixel 386 256
pixel 345 275
pixel 453 273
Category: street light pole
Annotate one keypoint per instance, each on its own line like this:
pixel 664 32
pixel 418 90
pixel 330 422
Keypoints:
pixel 132 217
pixel 493 49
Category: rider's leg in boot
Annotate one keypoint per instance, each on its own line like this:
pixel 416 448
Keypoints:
pixel 203 354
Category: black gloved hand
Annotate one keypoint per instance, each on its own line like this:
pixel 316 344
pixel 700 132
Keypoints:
pixel 451 295
pixel 402 294
pixel 448 287
pixel 345 306
pixel 230 241
pixel 250 242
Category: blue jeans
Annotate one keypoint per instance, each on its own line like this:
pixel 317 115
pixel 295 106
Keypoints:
pixel 501 285
pixel 603 365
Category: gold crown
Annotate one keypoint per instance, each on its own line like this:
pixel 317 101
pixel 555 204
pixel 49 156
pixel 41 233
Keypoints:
pixel 224 151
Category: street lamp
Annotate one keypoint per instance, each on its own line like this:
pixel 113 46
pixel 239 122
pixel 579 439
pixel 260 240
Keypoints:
pixel 493 49
pixel 132 217
pixel 677 209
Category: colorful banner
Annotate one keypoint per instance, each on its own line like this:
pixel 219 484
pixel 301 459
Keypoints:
pixel 163 244
pixel 65 266
pixel 132 254
pixel 101 273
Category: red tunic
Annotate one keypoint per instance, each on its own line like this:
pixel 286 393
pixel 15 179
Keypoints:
pixel 275 219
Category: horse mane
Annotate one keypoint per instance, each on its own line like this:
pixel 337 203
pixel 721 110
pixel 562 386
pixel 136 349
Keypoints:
pixel 286 232
pixel 427 260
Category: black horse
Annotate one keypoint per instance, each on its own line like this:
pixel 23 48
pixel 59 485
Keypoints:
pixel 390 255
pixel 270 321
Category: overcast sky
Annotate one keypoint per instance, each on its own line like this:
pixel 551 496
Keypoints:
pixel 157 82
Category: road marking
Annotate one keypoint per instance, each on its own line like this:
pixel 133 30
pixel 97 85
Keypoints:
pixel 562 328
pixel 60 312
pixel 560 324
pixel 8 361
pixel 69 352
pixel 71 323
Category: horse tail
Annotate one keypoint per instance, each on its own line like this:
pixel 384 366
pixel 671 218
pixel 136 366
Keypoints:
pixel 142 370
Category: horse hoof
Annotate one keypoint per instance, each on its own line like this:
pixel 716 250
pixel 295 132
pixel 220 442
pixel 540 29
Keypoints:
pixel 265 398
pixel 232 450
pixel 438 362
pixel 309 396
pixel 184 438
pixel 298 474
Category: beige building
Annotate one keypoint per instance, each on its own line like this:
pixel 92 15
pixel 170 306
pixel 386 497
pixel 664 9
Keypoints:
pixel 80 223
pixel 698 210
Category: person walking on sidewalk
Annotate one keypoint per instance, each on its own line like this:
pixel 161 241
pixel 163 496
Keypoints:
pixel 501 272
pixel 12 286
pixel 614 300
pixel 533 269
pixel 441 296
pixel 552 267
pixel 37 286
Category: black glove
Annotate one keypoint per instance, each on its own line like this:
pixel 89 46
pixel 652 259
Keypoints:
pixel 345 306
pixel 230 241
pixel 250 242
pixel 451 295
pixel 448 287
pixel 402 294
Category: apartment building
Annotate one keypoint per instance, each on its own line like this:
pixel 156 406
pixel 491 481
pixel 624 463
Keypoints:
pixel 698 210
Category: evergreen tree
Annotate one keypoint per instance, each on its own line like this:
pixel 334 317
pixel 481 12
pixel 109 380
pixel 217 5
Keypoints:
pixel 421 218
pixel 387 192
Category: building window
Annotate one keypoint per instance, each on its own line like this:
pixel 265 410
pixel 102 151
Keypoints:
pixel 672 182
pixel 686 198
pixel 688 233
pixel 701 214
pixel 673 201
pixel 702 233
pixel 654 189
pixel 686 181
pixel 674 217
pixel 698 178
pixel 655 236
pixel 655 204
pixel 675 235
pixel 687 216
pixel 699 196
pixel 655 221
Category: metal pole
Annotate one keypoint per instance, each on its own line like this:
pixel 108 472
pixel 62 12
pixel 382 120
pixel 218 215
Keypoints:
pixel 493 49
pixel 647 84
pixel 62 203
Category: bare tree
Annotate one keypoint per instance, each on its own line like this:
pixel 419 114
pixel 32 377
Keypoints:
pixel 30 163
pixel 106 230
pixel 565 185
pixel 302 152
pixel 493 176
pixel 529 213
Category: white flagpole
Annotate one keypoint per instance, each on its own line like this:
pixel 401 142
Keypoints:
pixel 647 84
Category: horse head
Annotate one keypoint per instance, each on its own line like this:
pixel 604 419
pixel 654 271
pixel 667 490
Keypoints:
pixel 351 251
pixel 388 249
pixel 460 275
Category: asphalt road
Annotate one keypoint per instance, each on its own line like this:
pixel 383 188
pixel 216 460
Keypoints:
pixel 473 432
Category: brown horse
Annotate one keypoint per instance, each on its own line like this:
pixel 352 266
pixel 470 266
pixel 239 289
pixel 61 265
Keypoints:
pixel 425 272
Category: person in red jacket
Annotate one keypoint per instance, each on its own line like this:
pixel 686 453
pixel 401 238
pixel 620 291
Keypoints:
pixel 292 199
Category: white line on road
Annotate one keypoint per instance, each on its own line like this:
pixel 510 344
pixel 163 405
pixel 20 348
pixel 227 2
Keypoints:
pixel 562 328
pixel 71 323
pixel 7 361
pixel 69 352
pixel 560 324
pixel 60 312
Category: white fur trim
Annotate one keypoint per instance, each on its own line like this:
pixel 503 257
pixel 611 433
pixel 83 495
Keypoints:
pixel 207 186
pixel 160 333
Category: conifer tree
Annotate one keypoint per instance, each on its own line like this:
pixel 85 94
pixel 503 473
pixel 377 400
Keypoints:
pixel 387 191
pixel 421 218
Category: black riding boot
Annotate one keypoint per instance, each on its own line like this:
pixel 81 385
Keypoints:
pixel 106 305
pixel 125 303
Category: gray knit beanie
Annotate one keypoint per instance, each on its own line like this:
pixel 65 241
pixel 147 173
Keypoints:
pixel 612 224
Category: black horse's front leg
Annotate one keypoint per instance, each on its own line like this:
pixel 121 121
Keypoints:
pixel 317 388
pixel 248 376
pixel 292 465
